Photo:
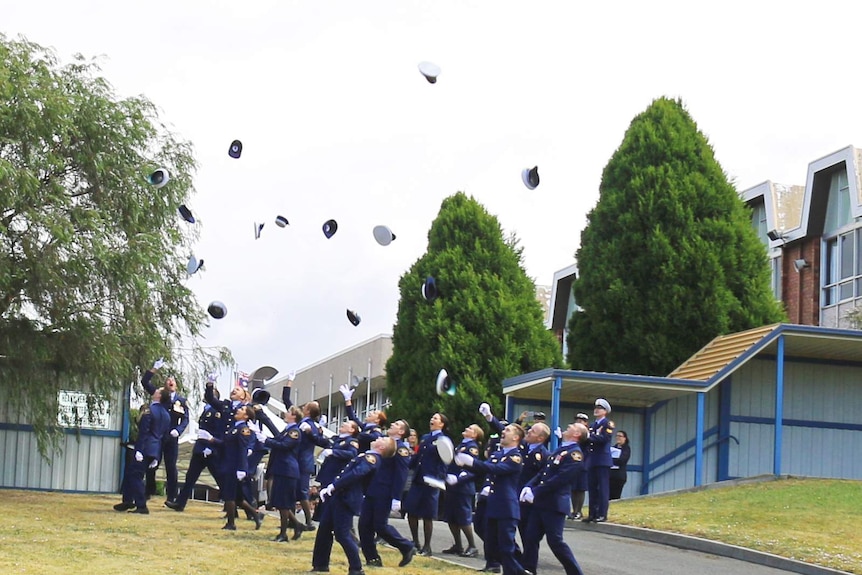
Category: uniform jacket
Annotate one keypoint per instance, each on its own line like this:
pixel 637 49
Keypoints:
pixel 599 443
pixel 368 432
pixel 235 446
pixel 344 449
pixel 504 471
pixel 282 456
pixel 552 486
pixel 211 421
pixel 348 484
pixel 179 409
pixel 534 461
pixel 153 426
pixel 391 475
pixel 466 476
pixel 427 461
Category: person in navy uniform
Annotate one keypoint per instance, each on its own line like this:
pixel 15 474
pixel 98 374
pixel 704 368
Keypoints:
pixel 285 471
pixel 599 461
pixel 372 427
pixel 422 499
pixel 205 455
pixel 235 447
pixel 535 456
pixel 503 509
pixel 460 493
pixel 342 450
pixel 153 426
pixel 549 494
pixel 179 421
pixel 342 500
pixel 311 437
pixel 581 483
pixel 383 496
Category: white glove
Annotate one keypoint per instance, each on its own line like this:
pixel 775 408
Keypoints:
pixel 212 378
pixel 240 475
pixel 396 506
pixel 248 452
pixel 485 409
pixel 254 426
pixel 260 437
pixel 326 492
pixel 291 376
pixel 305 427
pixel 325 453
pixel 159 363
pixel 154 463
pixel 526 495
pixel 463 460
pixel 175 433
pixel 323 420
pixel 558 432
pixel 486 491
pixel 139 456
pixel 346 391
pixel 205 435
pixel 451 479
pixel 207 452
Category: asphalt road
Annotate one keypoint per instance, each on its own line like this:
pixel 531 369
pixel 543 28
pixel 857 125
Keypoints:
pixel 599 552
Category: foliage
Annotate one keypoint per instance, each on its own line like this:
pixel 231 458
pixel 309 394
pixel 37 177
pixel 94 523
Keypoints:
pixel 91 255
pixel 669 258
pixel 485 326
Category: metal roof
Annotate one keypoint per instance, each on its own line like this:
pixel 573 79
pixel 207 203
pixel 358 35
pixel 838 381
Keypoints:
pixel 704 370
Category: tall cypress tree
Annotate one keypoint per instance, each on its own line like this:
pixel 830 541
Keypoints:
pixel 669 258
pixel 486 325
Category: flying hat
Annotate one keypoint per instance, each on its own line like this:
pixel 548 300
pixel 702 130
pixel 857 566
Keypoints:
pixel 260 396
pixel 217 309
pixel 603 403
pixel 530 176
pixel 235 150
pixel 383 235
pixel 445 449
pixel 159 178
pixel 445 385
pixel 430 71
pixel 257 229
pixel 194 265
pixel 429 289
pixel 186 214
pixel 329 228
pixel 353 317
pixel 281 221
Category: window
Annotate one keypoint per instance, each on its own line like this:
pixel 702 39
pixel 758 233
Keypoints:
pixel 842 272
pixel 758 221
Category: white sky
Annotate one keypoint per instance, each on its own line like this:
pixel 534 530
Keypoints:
pixel 337 122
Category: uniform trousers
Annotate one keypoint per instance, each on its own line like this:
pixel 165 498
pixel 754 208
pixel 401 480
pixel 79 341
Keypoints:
pixel 196 466
pixel 335 519
pixel 599 491
pixel 503 544
pixel 374 520
pixel 548 524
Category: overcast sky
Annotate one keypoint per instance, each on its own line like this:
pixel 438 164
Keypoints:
pixel 337 122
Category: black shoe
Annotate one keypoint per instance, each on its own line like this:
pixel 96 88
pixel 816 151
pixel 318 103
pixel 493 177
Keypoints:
pixel 407 556
pixel 174 505
pixel 600 519
pixel 491 569
pixel 308 527
pixel 355 572
pixel 142 510
pixel 526 572
pixel 425 552
pixel 258 520
pixel 124 506
pixel 577 516
pixel 586 519
pixel 376 562
pixel 297 532
pixel 454 550
pixel 280 538
pixel 319 570
pixel 470 552
pixel 229 527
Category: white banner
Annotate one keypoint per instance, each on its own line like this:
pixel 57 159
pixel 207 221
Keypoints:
pixel 74 411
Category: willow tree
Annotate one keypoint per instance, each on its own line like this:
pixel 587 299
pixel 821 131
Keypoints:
pixel 486 325
pixel 669 258
pixel 91 253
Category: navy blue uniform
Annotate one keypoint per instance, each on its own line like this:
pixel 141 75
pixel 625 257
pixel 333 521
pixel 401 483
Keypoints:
pixel 552 494
pixel 205 454
pixel 535 456
pixel 339 509
pixel 284 467
pixel 154 424
pixel 179 412
pixel 388 484
pixel 235 446
pixel 599 461
pixel 458 505
pixel 422 499
pixel 368 432
pixel 502 510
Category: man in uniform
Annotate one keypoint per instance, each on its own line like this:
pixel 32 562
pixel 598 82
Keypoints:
pixel 549 494
pixel 599 461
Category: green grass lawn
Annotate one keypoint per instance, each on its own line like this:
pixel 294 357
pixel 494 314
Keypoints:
pixel 813 520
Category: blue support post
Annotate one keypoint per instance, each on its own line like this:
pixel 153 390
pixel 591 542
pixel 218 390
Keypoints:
pixel 779 406
pixel 555 410
pixel 698 440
